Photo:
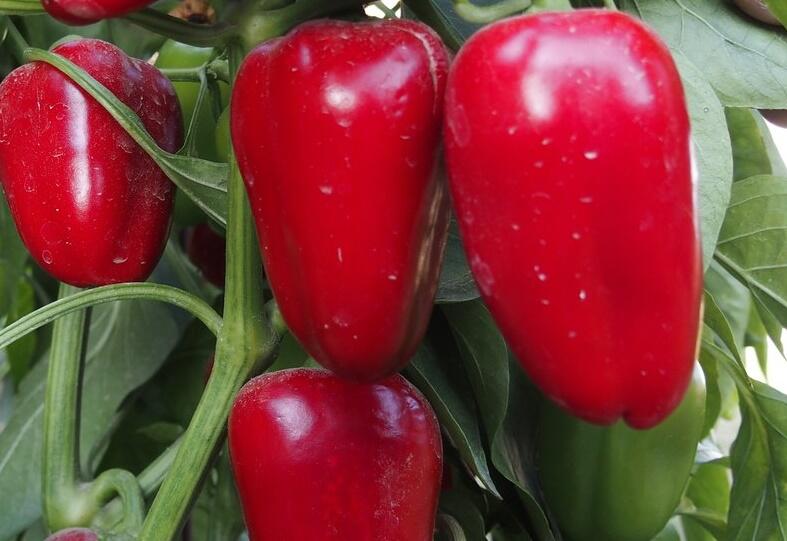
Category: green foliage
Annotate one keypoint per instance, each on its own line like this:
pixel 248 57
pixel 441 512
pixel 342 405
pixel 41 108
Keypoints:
pixel 146 364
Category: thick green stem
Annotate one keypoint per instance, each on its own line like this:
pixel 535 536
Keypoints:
pixel 20 7
pixel 201 35
pixel 60 471
pixel 245 338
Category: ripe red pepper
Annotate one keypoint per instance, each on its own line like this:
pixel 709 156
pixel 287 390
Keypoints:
pixel 206 249
pixel 568 150
pixel 336 128
pixel 320 457
pixel 90 205
pixel 81 12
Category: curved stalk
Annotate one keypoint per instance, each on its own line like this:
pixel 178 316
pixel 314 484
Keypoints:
pixel 84 299
pixel 60 468
pixel 245 339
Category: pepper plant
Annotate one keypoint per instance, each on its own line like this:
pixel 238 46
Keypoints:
pixel 548 335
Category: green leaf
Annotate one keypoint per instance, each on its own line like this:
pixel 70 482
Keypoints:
pixel 204 182
pixel 457 505
pixel 733 298
pixel 709 491
pixel 752 240
pixel 485 357
pixel 717 325
pixel 745 63
pixel 13 257
pixel 487 364
pixel 749 154
pixel 437 371
pixel 772 325
pixel 456 280
pixel 21 352
pixel 775 157
pixel 757 338
pixel 162 432
pixel 128 342
pixel 713 152
pixel 758 502
pixel 779 10
pixel 514 448
pixel 217 512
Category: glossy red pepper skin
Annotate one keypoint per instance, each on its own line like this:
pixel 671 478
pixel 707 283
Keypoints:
pixel 81 12
pixel 336 128
pixel 316 456
pixel 90 205
pixel 568 151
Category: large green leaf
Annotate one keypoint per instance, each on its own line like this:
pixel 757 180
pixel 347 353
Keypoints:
pixel 713 152
pixel 733 298
pixel 709 491
pixel 485 357
pixel 456 280
pixel 437 371
pixel 217 512
pixel 13 257
pixel 758 502
pixel 745 63
pixel 513 451
pixel 753 241
pixel 128 342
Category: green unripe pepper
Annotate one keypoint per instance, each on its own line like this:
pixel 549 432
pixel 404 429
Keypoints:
pixel 179 55
pixel 615 483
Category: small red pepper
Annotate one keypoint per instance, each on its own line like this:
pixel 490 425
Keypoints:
pixel 90 205
pixel 317 457
pixel 568 150
pixel 81 12
pixel 336 128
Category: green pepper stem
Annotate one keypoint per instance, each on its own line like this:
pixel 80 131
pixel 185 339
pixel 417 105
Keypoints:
pixel 244 340
pixel 20 7
pixel 149 481
pixel 486 14
pixel 84 299
pixel 200 35
pixel 123 484
pixel 61 418
pixel 257 25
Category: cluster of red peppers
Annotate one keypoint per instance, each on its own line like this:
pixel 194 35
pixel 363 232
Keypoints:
pixel 569 166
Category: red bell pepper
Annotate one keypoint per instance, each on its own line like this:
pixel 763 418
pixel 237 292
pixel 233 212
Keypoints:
pixel 81 12
pixel 318 457
pixel 336 128
pixel 568 150
pixel 90 205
